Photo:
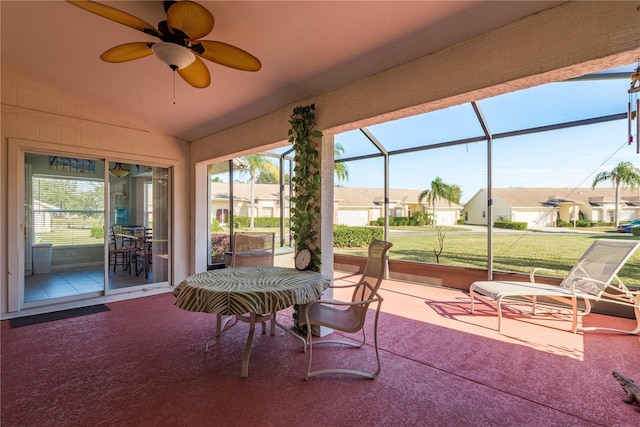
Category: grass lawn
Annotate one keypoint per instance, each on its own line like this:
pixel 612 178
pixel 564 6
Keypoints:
pixel 518 252
pixel 69 236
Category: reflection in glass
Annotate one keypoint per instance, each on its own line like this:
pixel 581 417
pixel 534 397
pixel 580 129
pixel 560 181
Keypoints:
pixel 251 190
pixel 64 233
pixel 138 225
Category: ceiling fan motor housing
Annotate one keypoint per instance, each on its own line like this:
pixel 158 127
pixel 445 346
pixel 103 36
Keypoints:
pixel 175 56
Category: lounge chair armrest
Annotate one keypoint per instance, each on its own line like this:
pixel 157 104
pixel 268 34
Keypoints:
pixel 533 273
pixel 594 292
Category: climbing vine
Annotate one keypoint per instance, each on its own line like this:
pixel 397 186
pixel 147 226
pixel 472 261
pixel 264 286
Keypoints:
pixel 305 211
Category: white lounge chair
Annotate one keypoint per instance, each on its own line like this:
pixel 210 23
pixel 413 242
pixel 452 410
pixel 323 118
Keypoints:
pixel 590 280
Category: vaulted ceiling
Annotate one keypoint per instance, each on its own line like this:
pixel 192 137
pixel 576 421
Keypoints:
pixel 306 48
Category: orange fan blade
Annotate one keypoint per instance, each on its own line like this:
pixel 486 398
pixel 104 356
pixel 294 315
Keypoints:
pixel 190 18
pixel 117 16
pixel 227 55
pixel 127 52
pixel 196 74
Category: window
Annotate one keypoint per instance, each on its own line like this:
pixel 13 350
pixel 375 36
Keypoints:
pixel 67 211
pixel 222 215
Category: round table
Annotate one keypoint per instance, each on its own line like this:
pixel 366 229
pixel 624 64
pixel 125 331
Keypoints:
pixel 253 290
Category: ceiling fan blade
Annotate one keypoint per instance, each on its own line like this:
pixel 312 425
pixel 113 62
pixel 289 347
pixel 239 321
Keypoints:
pixel 196 74
pixel 227 55
pixel 117 16
pixel 127 52
pixel 190 18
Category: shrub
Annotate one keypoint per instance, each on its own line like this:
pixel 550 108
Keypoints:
pixel 511 225
pixel 417 219
pixel 585 223
pixel 420 218
pixel 215 226
pixel 259 221
pixel 635 231
pixel 355 237
pixel 220 243
pixel 97 232
pixel 241 221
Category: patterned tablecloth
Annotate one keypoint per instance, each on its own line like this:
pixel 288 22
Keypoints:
pixel 249 290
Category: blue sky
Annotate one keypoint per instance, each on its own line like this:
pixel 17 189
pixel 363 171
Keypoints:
pixel 565 158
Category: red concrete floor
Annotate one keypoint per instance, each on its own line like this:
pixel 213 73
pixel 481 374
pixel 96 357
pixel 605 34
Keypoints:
pixel 143 364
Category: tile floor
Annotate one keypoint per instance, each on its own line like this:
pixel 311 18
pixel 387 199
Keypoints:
pixel 76 281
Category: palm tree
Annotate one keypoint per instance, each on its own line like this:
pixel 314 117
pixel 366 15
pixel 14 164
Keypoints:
pixel 341 170
pixel 624 175
pixel 257 163
pixel 439 190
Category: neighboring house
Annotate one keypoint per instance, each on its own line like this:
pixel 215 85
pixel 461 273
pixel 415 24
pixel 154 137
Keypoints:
pixel 359 206
pixel 541 207
pixel 266 204
pixel 352 206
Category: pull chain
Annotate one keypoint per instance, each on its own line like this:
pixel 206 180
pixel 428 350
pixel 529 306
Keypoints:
pixel 174 90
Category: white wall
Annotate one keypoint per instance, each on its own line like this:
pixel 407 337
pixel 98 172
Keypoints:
pixel 475 207
pixel 38 119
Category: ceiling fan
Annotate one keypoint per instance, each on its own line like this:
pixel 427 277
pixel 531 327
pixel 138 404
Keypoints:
pixel 180 46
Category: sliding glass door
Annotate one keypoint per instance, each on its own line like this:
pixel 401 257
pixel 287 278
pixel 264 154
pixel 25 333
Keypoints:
pixel 139 225
pixel 64 233
pixel 93 227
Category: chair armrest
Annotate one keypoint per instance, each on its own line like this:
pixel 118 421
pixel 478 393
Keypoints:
pixel 353 285
pixel 344 303
pixel 533 273
pixel 572 286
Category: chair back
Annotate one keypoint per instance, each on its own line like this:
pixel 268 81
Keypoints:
pixel 255 249
pixel 115 240
pixel 374 271
pixel 599 265
pixel 140 237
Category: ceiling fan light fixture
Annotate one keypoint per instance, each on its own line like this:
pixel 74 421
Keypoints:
pixel 118 171
pixel 175 56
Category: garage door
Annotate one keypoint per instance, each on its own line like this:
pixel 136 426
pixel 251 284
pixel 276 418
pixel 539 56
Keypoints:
pixel 445 218
pixel 534 219
pixel 355 218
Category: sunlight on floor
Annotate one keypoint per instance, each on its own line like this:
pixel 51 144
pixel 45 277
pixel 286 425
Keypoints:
pixel 548 331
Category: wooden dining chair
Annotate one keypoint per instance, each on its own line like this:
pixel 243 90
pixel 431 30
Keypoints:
pixel 140 252
pixel 119 254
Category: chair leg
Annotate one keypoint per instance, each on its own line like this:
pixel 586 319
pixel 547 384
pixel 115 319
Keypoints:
pixel 309 344
pixel 634 331
pixel 369 375
pixel 574 315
